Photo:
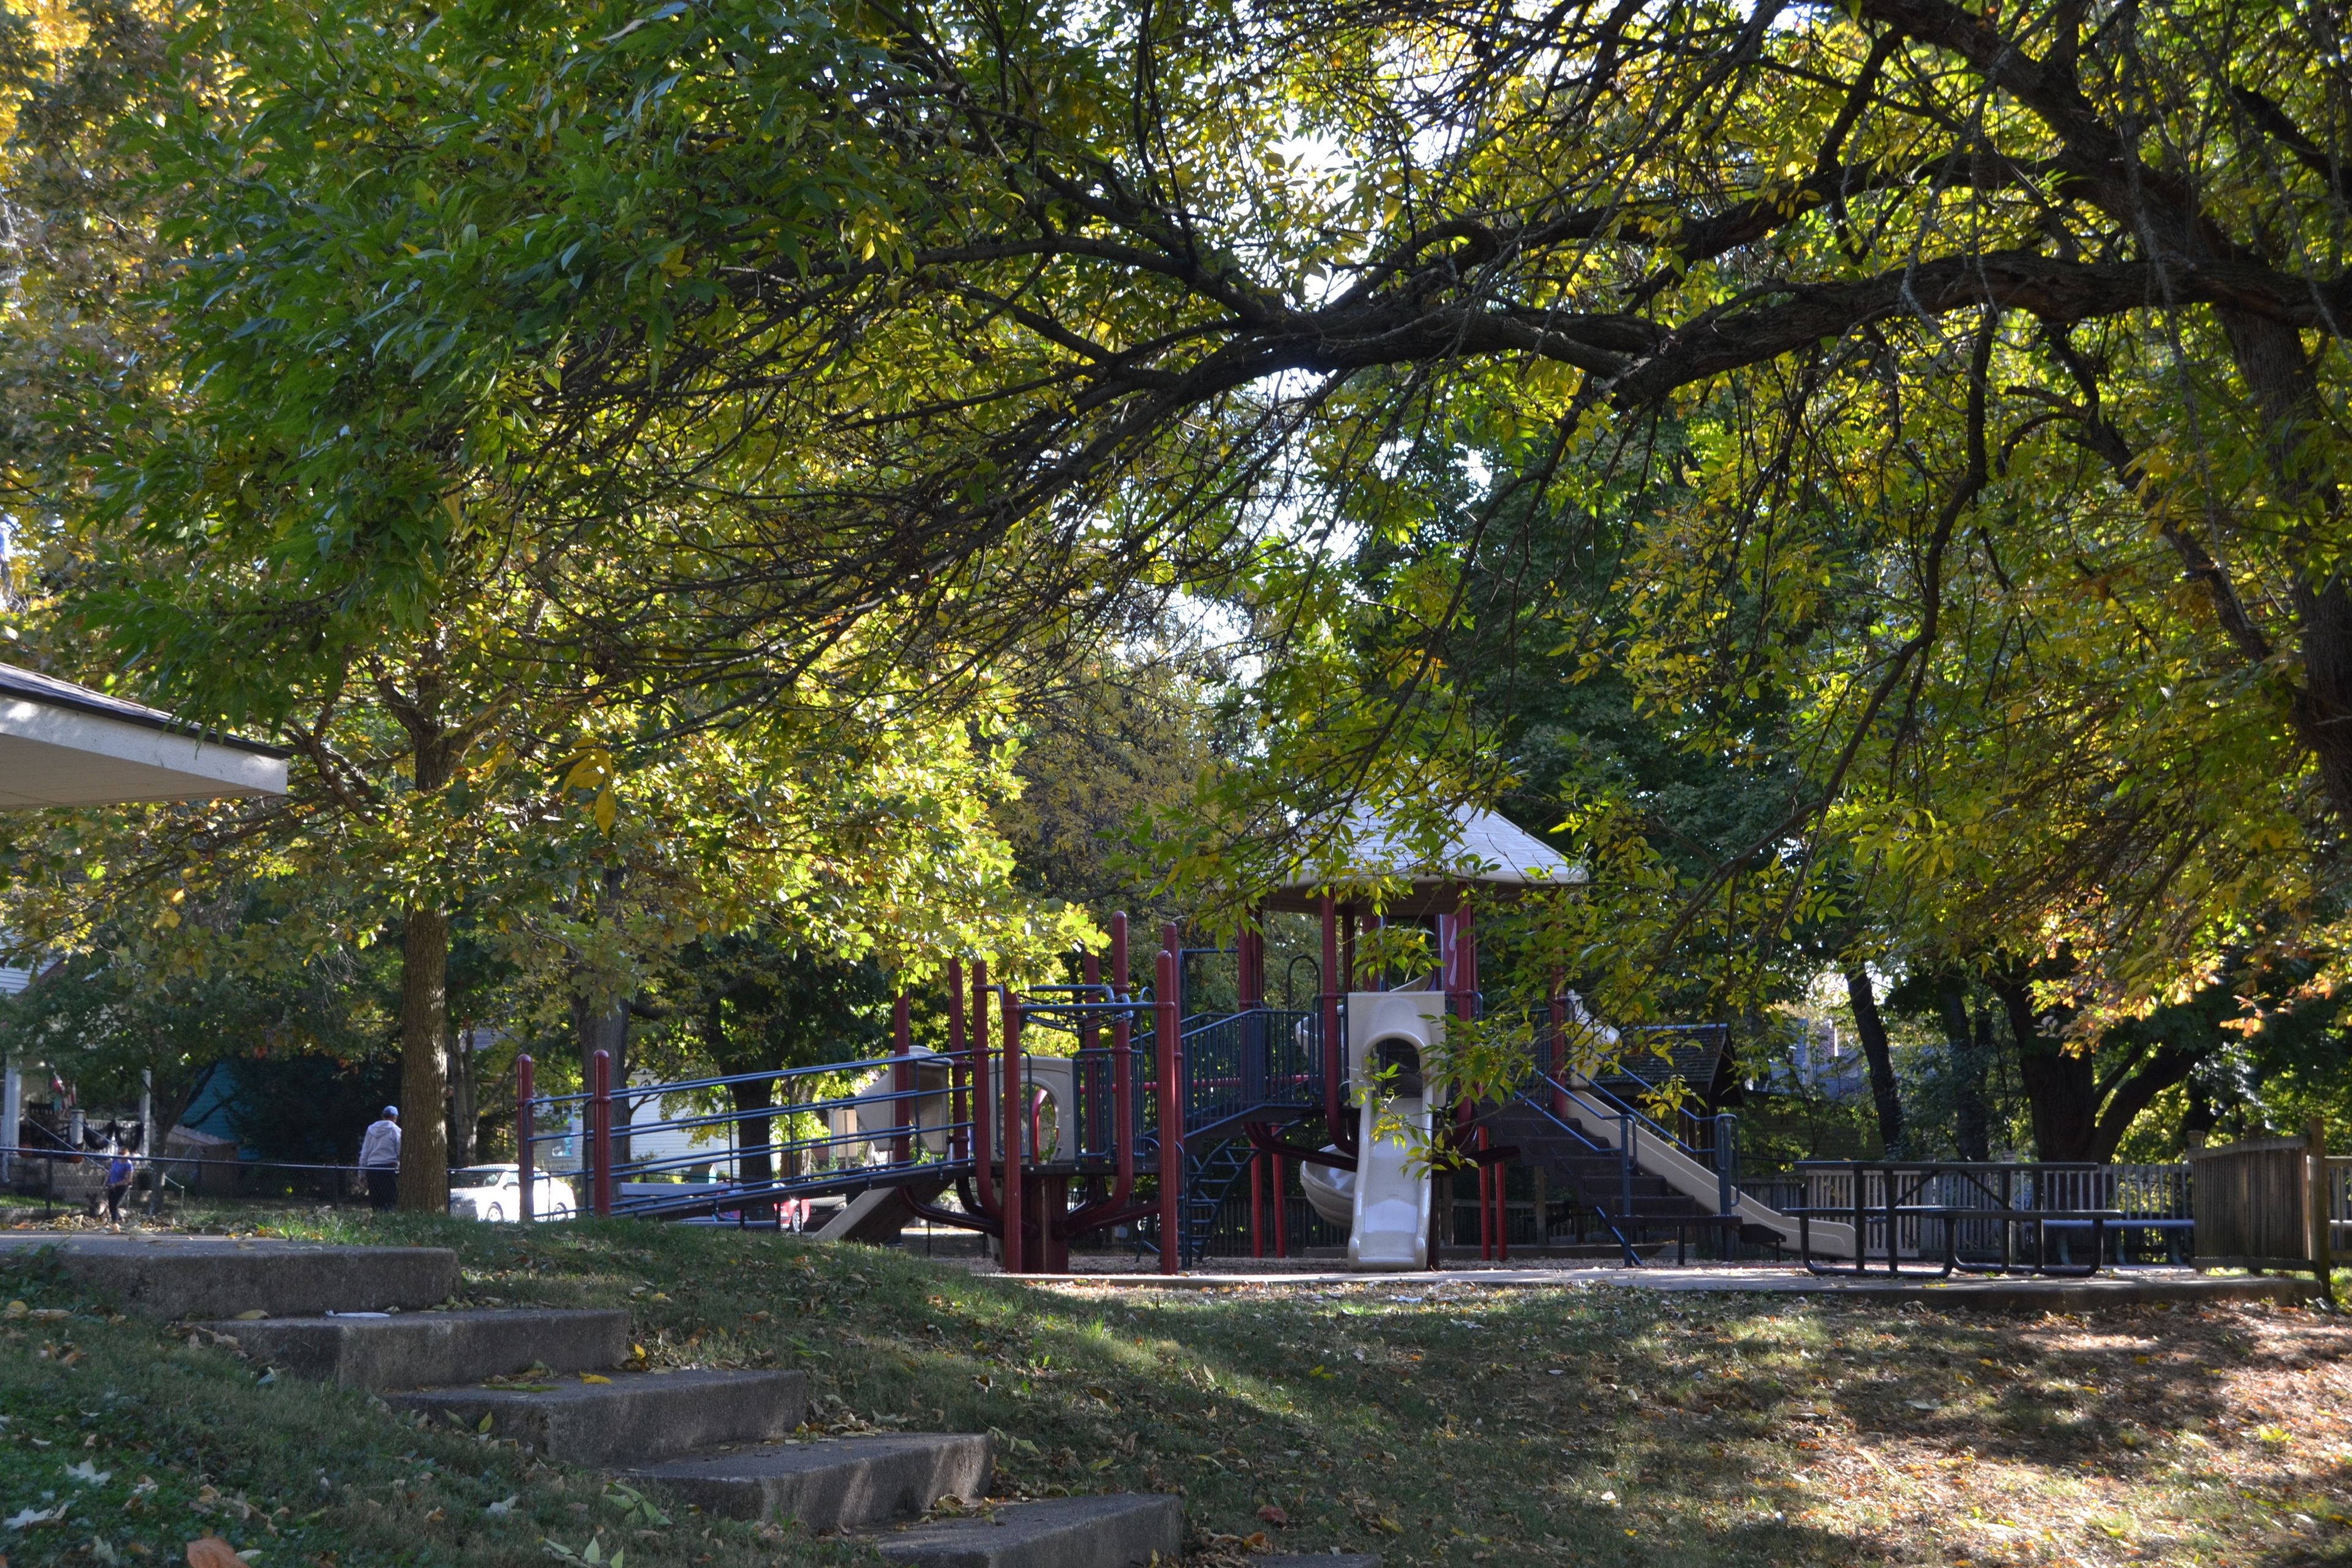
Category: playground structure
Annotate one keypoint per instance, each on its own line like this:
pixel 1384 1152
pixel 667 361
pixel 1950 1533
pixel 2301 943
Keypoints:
pixel 1130 1109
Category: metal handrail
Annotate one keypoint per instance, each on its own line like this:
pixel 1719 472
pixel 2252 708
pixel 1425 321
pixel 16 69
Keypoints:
pixel 1619 1224
pixel 1623 1107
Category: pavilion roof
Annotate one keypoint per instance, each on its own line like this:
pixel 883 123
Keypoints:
pixel 1482 848
pixel 64 744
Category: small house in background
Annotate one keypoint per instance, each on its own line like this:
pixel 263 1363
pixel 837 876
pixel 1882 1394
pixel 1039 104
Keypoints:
pixel 1821 1061
pixel 1808 1099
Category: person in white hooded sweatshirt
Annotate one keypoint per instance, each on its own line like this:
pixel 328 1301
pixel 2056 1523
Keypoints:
pixel 380 1158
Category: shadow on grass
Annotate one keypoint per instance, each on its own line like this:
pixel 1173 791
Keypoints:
pixel 1433 1425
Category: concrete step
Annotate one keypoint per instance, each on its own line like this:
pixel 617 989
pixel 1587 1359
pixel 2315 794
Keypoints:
pixel 631 1418
pixel 1121 1531
pixel 219 1277
pixel 414 1350
pixel 833 1483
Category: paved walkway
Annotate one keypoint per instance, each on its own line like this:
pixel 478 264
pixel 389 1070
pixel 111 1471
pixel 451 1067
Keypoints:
pixel 2115 1286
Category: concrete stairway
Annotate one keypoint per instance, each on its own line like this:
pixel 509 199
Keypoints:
pixel 370 1318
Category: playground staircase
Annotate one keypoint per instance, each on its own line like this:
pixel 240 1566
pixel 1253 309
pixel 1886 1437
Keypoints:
pixel 725 1441
pixel 1637 1207
pixel 1209 1179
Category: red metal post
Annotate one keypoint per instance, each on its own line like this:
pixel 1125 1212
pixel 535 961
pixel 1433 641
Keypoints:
pixel 902 1078
pixel 1458 947
pixel 1281 1219
pixel 600 1130
pixel 1258 1203
pixel 1010 1095
pixel 1165 1028
pixel 525 1162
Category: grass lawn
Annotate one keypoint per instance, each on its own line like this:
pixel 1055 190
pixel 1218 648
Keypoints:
pixel 1448 1424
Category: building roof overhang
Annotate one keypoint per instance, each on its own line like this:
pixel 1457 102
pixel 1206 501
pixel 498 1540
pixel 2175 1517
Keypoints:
pixel 63 744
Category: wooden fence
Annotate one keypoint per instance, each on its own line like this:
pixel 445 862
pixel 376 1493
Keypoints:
pixel 2268 1202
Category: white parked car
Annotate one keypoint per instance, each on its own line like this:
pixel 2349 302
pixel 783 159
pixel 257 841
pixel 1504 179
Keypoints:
pixel 495 1192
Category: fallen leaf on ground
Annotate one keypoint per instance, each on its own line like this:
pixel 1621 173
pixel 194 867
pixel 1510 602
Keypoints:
pixel 212 1552
pixel 1271 1514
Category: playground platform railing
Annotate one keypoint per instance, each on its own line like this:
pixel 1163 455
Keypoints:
pixel 905 1118
pixel 1246 1065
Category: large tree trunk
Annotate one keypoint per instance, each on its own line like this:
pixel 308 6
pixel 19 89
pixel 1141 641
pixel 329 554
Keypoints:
pixel 1883 1089
pixel 1973 1129
pixel 463 1093
pixel 425 973
pixel 753 1166
pixel 2061 1087
pixel 2163 1068
pixel 2281 378
pixel 424 1075
pixel 602 1026
pixel 2324 706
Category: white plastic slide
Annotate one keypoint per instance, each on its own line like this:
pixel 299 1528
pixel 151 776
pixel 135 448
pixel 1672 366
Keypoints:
pixel 1390 1224
pixel 1330 1191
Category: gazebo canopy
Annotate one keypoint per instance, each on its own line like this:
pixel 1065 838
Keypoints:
pixel 1481 849
pixel 62 745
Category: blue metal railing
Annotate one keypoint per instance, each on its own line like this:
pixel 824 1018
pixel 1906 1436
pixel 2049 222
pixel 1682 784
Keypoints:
pixel 1616 1218
pixel 891 1119
pixel 1716 1145
pixel 1246 1064
pixel 843 1155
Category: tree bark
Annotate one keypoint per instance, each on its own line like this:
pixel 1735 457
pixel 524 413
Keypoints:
pixel 2062 1088
pixel 424 1066
pixel 425 966
pixel 1884 1092
pixel 462 1098
pixel 598 1027
pixel 1973 1129
pixel 754 1167
pixel 2151 1077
